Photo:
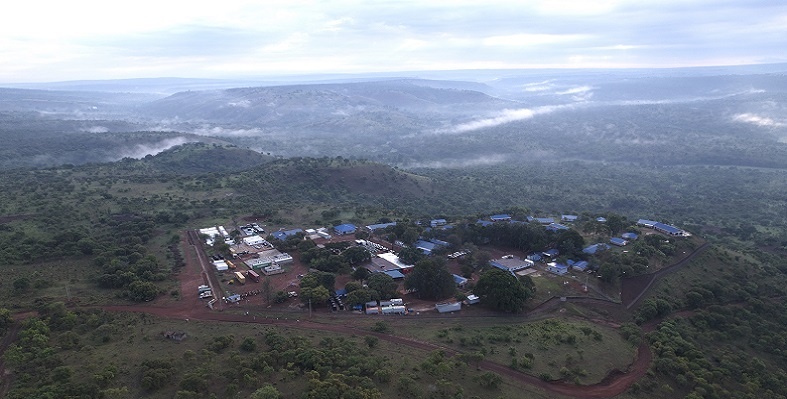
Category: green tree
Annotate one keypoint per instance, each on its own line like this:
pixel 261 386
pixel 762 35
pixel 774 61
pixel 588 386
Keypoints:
pixel 431 280
pixel 383 284
pixel 356 255
pixel 362 296
pixel 318 278
pixel 266 392
pixel 500 290
pixel 317 295
pixel 5 320
pixel 361 273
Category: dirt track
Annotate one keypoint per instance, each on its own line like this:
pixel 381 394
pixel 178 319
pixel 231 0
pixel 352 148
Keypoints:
pixel 614 384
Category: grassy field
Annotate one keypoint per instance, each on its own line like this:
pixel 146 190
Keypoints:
pixel 563 347
pixel 229 366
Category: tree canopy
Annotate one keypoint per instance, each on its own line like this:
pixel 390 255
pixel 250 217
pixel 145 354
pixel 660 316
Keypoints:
pixel 431 280
pixel 500 290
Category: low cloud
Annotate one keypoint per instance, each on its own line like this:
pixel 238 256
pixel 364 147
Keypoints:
pixel 143 150
pixel 505 116
pixel 579 93
pixel 96 129
pixel 758 120
pixel 460 163
pixel 240 104
pixel 222 132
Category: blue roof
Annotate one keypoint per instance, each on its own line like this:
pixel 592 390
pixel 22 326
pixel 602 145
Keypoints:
pixel 484 223
pixel 395 274
pixel 581 265
pixel 552 252
pixel 459 280
pixel 501 217
pixel 629 236
pixel 380 226
pixel 569 218
pixel 592 249
pixel 544 220
pixel 437 222
pixel 557 227
pixel 439 243
pixel 646 222
pixel 341 292
pixel 282 235
pixel 617 241
pixel 279 235
pixel 345 228
pixel 667 228
pixel 601 219
pixel 534 257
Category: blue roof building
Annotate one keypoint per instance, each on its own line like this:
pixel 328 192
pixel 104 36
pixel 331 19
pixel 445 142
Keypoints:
pixel 283 234
pixel 667 229
pixel 629 236
pixel 459 280
pixel 373 227
pixel 483 223
pixel 534 257
pixel 581 265
pixel 544 220
pixel 552 253
pixel 618 241
pixel 647 223
pixel 569 218
pixel 601 219
pixel 344 229
pixel 592 249
pixel 395 274
pixel 557 227
pixel 438 222
pixel 425 246
pixel 500 218
pixel 557 268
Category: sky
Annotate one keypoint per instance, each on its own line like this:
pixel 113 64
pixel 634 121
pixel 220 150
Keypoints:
pixel 55 40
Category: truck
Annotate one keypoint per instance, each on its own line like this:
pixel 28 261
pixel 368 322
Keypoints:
pixel 240 277
pixel 230 264
pixel 253 275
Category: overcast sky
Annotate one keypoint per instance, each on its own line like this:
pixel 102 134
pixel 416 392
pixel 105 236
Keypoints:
pixel 80 39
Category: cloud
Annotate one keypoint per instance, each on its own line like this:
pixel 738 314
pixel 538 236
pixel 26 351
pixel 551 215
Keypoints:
pixel 503 117
pixel 758 120
pixel 143 150
pixel 240 104
pixel 96 129
pixel 485 160
pixel 91 39
pixel 220 131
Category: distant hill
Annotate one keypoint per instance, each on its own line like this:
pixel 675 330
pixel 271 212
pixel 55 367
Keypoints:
pixel 303 104
pixel 197 157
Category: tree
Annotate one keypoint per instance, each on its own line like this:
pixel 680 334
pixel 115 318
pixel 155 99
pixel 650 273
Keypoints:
pixel 317 295
pixel 140 291
pixel 266 392
pixel 383 284
pixel 569 243
pixel 500 290
pixel 361 273
pixel 22 284
pixel 431 280
pixel 356 255
pixel 5 320
pixel 410 255
pixel 315 279
pixel 361 296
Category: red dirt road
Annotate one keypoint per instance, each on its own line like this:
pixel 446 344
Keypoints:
pixel 195 273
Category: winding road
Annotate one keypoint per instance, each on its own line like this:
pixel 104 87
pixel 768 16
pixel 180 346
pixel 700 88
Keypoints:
pixel 195 273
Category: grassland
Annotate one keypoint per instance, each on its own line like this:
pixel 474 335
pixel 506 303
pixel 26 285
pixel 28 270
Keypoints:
pixel 218 359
